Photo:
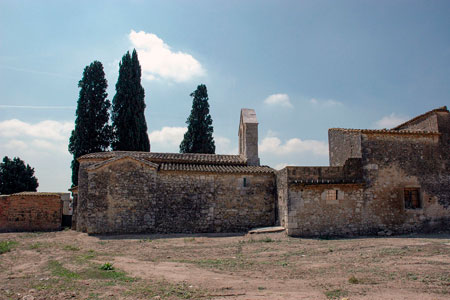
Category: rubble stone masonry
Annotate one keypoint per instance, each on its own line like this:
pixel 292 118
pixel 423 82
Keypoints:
pixel 129 196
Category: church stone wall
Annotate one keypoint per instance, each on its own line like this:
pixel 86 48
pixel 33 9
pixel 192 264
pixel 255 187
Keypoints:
pixel 128 197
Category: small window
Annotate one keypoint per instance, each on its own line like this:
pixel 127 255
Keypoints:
pixel 244 182
pixel 332 195
pixel 412 198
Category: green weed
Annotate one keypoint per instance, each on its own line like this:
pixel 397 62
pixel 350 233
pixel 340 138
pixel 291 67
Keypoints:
pixel 336 294
pixel 58 270
pixel 353 280
pixel 6 246
pixel 71 248
pixel 107 267
pixel 167 290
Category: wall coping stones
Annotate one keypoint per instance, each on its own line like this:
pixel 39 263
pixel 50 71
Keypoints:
pixel 37 194
pixel 387 131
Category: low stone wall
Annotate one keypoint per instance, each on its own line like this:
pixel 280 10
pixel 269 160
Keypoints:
pixel 130 197
pixel 30 212
pixel 310 213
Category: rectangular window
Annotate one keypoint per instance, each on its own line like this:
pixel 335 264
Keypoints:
pixel 244 182
pixel 412 198
pixel 332 195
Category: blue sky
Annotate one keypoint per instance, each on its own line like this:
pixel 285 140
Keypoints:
pixel 304 66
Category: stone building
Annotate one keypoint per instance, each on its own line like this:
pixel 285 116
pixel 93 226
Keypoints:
pixel 31 211
pixel 378 181
pixel 122 192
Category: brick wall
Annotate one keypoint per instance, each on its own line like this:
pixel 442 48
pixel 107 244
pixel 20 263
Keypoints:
pixel 30 212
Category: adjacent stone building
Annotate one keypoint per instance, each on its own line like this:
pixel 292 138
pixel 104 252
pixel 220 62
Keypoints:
pixel 31 211
pixel 378 181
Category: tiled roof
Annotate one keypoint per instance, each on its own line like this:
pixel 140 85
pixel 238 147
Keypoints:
pixel 439 109
pixel 387 131
pixel 215 168
pixel 172 157
pixel 111 160
pixel 327 181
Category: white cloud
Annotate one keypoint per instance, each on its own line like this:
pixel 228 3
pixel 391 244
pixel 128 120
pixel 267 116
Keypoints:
pixel 43 146
pixel 224 145
pixel 280 166
pixel 274 146
pixel 327 103
pixel 390 121
pixel 53 130
pixel 16 145
pixel 278 100
pixel 168 139
pixel 167 136
pixel 293 152
pixel 159 61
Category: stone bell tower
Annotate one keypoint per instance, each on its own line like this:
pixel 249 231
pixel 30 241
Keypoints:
pixel 248 136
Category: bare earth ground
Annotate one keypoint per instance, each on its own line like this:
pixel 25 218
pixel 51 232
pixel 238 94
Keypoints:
pixel 66 265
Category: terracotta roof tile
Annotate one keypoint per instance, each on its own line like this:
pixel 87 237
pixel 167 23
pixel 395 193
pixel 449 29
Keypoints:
pixel 327 181
pixel 215 168
pixel 171 157
pixel 387 131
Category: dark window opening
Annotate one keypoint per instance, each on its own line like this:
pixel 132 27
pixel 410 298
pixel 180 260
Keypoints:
pixel 244 182
pixel 412 198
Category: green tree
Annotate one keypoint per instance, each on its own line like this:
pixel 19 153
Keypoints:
pixel 128 119
pixel 199 136
pixel 15 177
pixel 92 132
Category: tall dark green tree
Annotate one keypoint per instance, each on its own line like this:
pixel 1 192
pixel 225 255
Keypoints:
pixel 92 132
pixel 199 136
pixel 128 120
pixel 16 177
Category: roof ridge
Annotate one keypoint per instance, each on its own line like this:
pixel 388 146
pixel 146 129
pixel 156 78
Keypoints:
pixel 439 109
pixel 174 157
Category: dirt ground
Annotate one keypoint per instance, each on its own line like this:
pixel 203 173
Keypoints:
pixel 66 265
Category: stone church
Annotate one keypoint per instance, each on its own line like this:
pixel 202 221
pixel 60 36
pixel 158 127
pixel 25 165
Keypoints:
pixel 392 180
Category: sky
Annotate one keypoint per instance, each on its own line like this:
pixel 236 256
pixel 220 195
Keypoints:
pixel 304 66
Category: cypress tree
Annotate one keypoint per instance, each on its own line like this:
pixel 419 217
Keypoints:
pixel 92 132
pixel 199 136
pixel 15 177
pixel 128 119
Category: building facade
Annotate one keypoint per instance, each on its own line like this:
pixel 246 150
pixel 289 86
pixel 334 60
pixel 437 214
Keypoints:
pixel 378 181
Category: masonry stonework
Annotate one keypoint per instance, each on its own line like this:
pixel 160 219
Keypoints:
pixel 379 181
pixel 132 194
